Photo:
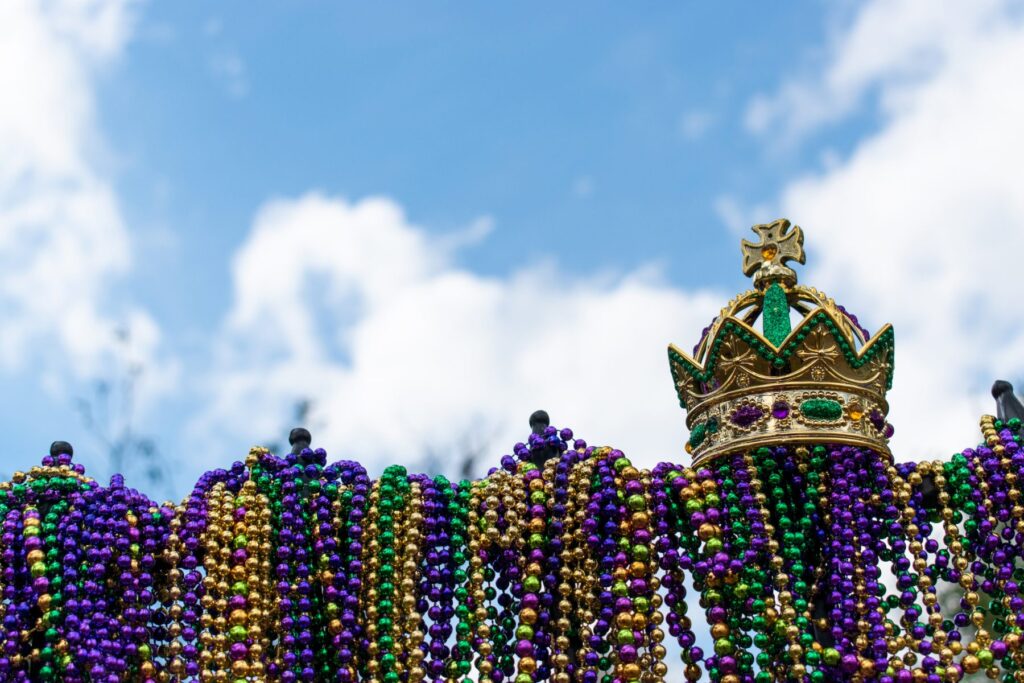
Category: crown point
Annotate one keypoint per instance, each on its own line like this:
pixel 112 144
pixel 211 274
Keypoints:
pixel 780 242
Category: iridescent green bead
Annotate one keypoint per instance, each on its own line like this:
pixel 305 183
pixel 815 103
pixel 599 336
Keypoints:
pixel 524 632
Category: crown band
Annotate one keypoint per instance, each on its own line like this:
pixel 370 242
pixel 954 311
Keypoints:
pixel 787 415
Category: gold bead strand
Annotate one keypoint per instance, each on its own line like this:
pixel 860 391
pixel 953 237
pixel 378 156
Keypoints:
pixel 170 651
pixel 367 662
pixel 584 567
pixel 560 642
pixel 212 653
pixel 482 516
pixel 411 546
pixel 656 635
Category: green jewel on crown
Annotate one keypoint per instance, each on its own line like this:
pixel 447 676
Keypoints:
pixel 822 380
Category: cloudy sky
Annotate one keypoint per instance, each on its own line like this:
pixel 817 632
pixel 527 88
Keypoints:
pixel 428 220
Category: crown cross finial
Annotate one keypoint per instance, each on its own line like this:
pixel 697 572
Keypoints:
pixel 766 260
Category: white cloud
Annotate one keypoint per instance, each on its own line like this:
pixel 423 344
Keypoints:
pixel 889 48
pixel 403 352
pixel 229 69
pixel 923 224
pixel 213 27
pixel 693 124
pixel 583 187
pixel 62 238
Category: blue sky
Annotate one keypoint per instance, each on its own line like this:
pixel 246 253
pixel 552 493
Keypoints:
pixel 597 133
pixel 527 202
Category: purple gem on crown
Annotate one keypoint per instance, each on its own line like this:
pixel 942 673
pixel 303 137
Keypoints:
pixel 746 415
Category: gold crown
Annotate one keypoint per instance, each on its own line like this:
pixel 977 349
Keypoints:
pixel 822 381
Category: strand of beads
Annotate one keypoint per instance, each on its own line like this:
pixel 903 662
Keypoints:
pixel 531 645
pixel 342 593
pixel 603 528
pixel 460 661
pixel 482 533
pixel 647 600
pixel 761 553
pixel 295 659
pixel 325 561
pixel 102 652
pixel 675 552
pixel 410 609
pixel 236 545
pixel 912 573
pixel 144 531
pixel 584 566
pixel 685 499
pixel 15 609
pixel 436 595
pixel 562 505
pixel 69 531
pixel 634 656
pixel 184 588
pixel 387 501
